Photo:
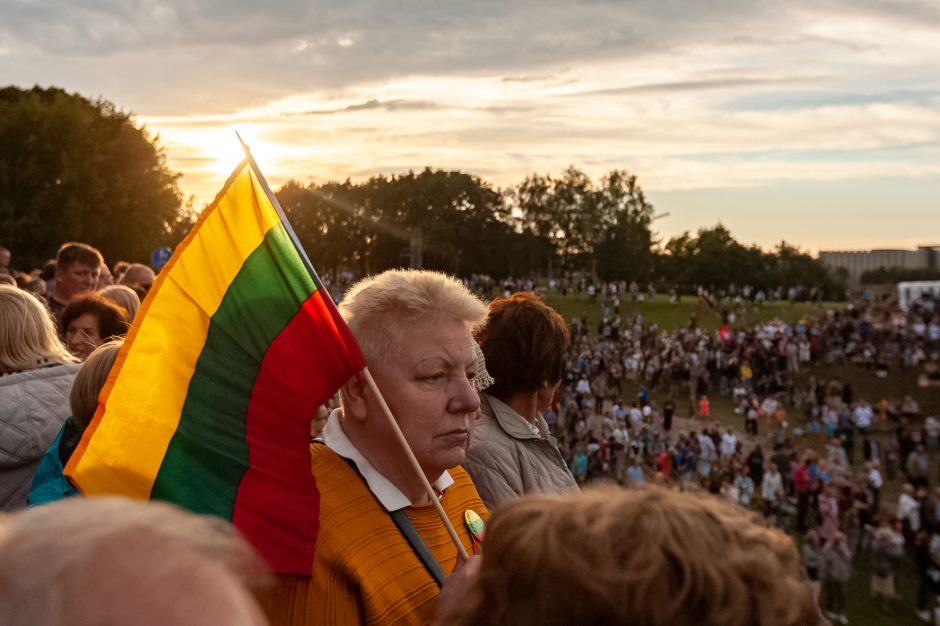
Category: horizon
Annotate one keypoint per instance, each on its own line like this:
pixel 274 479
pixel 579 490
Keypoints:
pixel 814 124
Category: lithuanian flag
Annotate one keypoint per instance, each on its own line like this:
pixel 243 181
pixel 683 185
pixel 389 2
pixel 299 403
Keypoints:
pixel 210 400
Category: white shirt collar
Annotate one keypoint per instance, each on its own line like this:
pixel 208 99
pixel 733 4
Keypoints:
pixel 390 496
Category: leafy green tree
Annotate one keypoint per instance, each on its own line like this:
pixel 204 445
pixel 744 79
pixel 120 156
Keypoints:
pixel 713 258
pixel 534 206
pixel 459 220
pixel 793 268
pixel 559 210
pixel 625 247
pixel 604 229
pixel 74 169
pixel 448 221
pixel 575 205
pixel 892 275
pixel 328 220
pixel 671 265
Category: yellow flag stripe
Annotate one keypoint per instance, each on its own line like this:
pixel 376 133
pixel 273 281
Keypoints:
pixel 144 407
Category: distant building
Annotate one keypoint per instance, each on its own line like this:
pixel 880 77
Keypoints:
pixel 857 262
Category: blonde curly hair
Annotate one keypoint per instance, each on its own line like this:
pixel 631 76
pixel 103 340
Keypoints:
pixel 652 556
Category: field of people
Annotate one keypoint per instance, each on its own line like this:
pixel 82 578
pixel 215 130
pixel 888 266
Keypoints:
pixel 671 315
pixel 861 378
pixel 861 608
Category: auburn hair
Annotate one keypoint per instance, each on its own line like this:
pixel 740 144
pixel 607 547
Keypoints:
pixel 651 556
pixel 112 318
pixel 524 342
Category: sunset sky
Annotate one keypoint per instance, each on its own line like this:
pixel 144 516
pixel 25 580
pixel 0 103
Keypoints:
pixel 815 121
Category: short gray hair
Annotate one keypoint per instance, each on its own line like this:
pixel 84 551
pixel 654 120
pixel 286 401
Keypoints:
pixel 123 296
pixel 379 308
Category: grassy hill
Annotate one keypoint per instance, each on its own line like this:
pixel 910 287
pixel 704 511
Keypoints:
pixel 671 316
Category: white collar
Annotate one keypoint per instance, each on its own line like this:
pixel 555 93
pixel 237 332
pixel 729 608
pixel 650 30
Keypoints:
pixel 390 496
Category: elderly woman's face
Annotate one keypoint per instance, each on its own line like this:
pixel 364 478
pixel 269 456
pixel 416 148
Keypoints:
pixel 83 336
pixel 427 384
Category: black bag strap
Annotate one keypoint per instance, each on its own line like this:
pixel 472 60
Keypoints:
pixel 407 529
pixel 417 544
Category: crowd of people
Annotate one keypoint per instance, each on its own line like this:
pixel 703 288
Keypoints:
pixel 616 420
pixel 510 410
pixel 49 330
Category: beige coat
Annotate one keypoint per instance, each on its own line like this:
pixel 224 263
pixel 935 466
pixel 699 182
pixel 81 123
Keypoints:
pixel 507 458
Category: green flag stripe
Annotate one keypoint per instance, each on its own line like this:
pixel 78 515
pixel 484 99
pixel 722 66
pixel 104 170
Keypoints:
pixel 208 454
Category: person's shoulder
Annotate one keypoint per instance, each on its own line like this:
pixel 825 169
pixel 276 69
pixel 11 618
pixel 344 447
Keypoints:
pixel 490 445
pixel 321 453
pixel 333 473
pixel 489 460
pixel 463 493
pixel 54 372
pixel 463 482
pixel 460 476
pixel 485 428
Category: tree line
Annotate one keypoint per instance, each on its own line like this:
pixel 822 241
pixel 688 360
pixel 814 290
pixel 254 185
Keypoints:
pixel 566 225
pixel 893 275
pixel 76 169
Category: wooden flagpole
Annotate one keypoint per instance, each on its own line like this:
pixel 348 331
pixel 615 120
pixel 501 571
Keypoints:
pixel 406 448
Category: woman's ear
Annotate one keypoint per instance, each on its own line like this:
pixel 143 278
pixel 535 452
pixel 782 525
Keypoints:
pixel 353 396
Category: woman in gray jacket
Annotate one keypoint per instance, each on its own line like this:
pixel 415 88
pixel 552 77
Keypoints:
pixel 36 372
pixel 512 451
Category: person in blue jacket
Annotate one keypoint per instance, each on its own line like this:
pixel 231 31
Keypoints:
pixel 49 482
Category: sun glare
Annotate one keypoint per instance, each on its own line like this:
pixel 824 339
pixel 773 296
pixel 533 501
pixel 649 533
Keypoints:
pixel 218 149
pixel 210 152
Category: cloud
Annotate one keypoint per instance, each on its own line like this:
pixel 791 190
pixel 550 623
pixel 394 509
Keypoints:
pixel 686 85
pixel 530 78
pixel 151 55
pixel 726 94
pixel 373 105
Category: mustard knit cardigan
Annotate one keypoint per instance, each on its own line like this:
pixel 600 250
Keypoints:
pixel 364 571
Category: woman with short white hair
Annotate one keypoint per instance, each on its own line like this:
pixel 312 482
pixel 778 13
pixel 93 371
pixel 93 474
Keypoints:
pixel 36 372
